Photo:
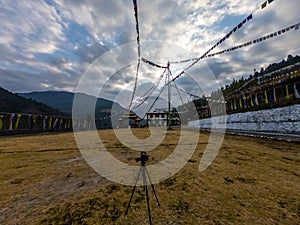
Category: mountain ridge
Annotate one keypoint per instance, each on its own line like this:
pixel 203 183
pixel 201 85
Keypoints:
pixel 13 103
pixel 63 101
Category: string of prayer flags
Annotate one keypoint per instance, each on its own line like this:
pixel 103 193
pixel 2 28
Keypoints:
pixel 264 5
pixel 152 63
pixel 139 51
pixel 137 27
pixel 258 40
pixel 239 26
pixel 186 60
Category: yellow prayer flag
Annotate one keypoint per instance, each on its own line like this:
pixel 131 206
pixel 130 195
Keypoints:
pixel 266 97
pixel 251 100
pixel 1 122
pixel 287 92
pixel 17 122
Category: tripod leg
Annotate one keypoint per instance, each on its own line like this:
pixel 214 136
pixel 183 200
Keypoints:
pixel 146 189
pixel 152 186
pixel 148 205
pixel 133 190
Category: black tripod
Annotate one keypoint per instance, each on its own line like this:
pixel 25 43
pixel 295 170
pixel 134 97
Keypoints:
pixel 145 174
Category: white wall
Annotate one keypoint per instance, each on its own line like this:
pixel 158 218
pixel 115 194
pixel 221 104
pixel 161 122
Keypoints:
pixel 282 120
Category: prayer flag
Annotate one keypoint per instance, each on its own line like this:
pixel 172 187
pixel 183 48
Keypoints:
pixel 269 1
pixel 297 27
pixel 287 92
pixel 249 17
pixel 1 121
pixel 296 91
pixel 231 105
pixel 256 100
pixel 274 94
pixel 17 122
pixel 251 100
pixel 266 97
pixel 264 5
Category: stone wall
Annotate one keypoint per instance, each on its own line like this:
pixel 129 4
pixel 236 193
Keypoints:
pixel 279 120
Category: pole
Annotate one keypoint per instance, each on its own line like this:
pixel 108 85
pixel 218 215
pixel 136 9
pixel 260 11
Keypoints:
pixel 169 97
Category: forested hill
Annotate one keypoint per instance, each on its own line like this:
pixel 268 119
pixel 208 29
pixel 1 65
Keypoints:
pixel 63 101
pixel 236 84
pixel 13 103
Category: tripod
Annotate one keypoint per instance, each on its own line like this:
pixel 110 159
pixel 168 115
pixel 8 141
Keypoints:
pixel 145 174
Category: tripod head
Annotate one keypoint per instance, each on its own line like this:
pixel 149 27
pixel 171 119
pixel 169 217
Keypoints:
pixel 143 159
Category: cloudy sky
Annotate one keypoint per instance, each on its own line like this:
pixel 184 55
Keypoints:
pixel 49 44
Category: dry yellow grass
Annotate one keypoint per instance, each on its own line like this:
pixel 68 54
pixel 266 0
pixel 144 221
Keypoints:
pixel 44 180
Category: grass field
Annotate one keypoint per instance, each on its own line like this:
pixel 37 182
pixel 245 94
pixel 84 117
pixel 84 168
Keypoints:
pixel 45 180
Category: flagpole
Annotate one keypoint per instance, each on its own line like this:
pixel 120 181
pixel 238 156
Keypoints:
pixel 169 98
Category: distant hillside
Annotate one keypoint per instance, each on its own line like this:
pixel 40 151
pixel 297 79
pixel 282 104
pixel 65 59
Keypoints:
pixel 13 103
pixel 64 100
pixel 56 99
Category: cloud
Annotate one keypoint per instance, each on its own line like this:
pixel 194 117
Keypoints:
pixel 49 44
pixel 30 26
